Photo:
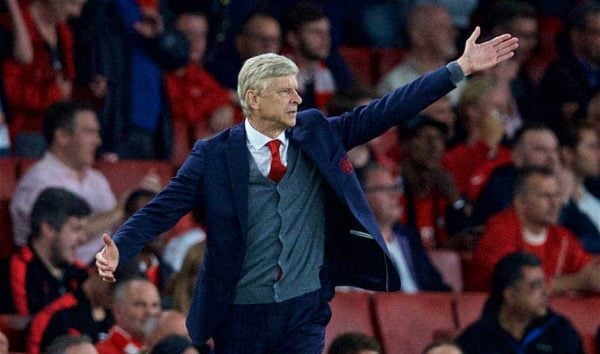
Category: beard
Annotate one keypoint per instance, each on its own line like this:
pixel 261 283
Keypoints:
pixel 311 54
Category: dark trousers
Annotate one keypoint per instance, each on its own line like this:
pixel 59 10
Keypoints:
pixel 293 326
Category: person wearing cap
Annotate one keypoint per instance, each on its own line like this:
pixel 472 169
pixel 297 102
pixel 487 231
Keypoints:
pixel 285 215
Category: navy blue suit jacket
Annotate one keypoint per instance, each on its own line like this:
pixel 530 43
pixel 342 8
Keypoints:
pixel 215 177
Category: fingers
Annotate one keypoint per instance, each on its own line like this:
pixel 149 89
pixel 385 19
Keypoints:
pixel 108 242
pixel 105 271
pixel 473 37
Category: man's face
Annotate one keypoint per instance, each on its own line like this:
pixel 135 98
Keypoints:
pixel 589 38
pixel 137 312
pixel 530 294
pixel 587 154
pixel 526 29
pixel 426 147
pixel 66 241
pixel 84 140
pixel 540 200
pixel 441 35
pixel 314 39
pixel 262 35
pixel 538 148
pixel 383 195
pixel 195 28
pixel 276 106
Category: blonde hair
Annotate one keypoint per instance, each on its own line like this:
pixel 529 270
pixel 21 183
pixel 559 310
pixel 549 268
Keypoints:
pixel 256 71
pixel 476 88
pixel 182 285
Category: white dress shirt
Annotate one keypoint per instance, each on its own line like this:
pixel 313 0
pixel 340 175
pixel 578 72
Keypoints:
pixel 257 145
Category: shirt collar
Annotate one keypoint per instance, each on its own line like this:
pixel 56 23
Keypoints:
pixel 258 139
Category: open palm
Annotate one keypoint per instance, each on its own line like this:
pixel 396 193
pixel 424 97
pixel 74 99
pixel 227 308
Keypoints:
pixel 481 56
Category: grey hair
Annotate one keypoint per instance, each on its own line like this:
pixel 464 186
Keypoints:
pixel 61 344
pixel 256 71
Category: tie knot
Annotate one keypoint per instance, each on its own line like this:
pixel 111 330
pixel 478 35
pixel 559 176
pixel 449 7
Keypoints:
pixel 274 146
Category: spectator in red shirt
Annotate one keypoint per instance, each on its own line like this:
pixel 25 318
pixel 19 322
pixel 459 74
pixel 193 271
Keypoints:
pixel 531 226
pixel 194 95
pixel 32 87
pixel 136 306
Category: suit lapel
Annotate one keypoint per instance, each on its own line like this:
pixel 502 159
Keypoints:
pixel 238 168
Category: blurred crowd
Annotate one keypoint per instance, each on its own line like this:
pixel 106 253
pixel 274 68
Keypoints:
pixel 507 162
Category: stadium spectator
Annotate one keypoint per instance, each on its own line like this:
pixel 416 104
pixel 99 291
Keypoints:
pixel 443 346
pixel 354 343
pixel 71 344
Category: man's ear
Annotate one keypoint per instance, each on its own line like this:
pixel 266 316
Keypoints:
pixel 46 231
pixel 61 136
pixel 253 99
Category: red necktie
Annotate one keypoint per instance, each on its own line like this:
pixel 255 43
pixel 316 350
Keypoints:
pixel 277 168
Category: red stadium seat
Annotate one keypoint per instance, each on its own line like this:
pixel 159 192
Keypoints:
pixel 584 314
pixel 387 59
pixel 182 142
pixel 125 175
pixel 468 308
pixel 350 312
pixel 25 164
pixel 8 181
pixel 448 263
pixel 15 329
pixel 409 322
pixel 360 61
pixel 7 245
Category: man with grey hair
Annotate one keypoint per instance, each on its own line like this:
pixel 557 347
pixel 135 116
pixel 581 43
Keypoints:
pixel 285 215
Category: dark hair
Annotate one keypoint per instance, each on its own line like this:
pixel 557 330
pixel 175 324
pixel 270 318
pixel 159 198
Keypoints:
pixel 410 127
pixel 578 16
pixel 507 272
pixel 171 344
pixel 527 127
pixel 60 344
pixel 54 206
pixel 61 115
pixel 353 343
pixel 571 137
pixel 523 175
pixel 347 99
pixel 244 28
pixel 440 343
pixel 303 13
pixel 366 170
pixel 134 197
pixel 505 11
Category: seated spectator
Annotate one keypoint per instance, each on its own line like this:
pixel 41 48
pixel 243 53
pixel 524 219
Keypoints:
pixel 72 131
pixel 432 37
pixel 174 344
pixel 31 87
pixel 408 254
pixel 531 226
pixel 45 268
pixel 194 96
pixel 432 203
pixel 71 344
pixel 572 81
pixel 308 38
pixel 259 35
pixel 443 346
pixel 84 311
pixel 472 161
pixel 354 343
pixel 519 18
pixel 136 306
pixel 442 111
pixel 516 317
pixel 580 150
pixel 535 145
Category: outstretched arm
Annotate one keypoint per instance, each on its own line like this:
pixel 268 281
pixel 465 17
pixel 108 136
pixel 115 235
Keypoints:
pixel 481 56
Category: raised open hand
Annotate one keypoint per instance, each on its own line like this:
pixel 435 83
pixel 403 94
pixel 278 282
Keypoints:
pixel 481 56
